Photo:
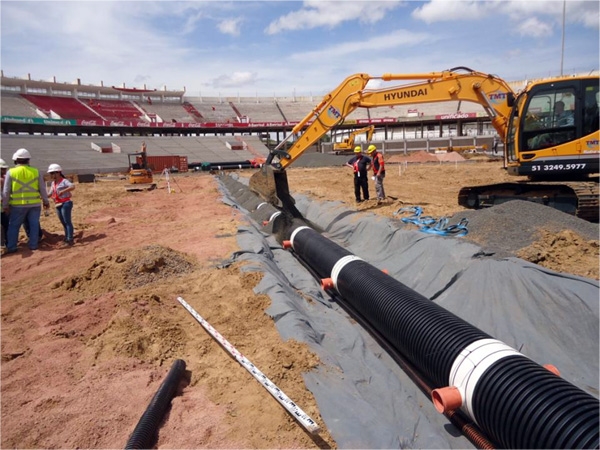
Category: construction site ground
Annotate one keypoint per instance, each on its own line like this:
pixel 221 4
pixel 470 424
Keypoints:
pixel 90 331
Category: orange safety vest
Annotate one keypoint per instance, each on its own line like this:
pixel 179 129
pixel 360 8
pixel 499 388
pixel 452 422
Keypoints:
pixel 25 187
pixel 378 164
pixel 65 197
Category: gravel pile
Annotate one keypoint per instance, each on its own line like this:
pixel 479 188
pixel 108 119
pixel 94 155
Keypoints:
pixel 507 228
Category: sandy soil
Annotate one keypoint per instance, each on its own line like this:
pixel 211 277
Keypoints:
pixel 89 332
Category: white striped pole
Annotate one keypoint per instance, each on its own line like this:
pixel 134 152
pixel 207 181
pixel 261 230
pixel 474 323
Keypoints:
pixel 285 401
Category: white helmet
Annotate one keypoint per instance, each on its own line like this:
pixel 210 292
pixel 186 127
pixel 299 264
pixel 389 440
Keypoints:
pixel 3 165
pixel 22 153
pixel 54 168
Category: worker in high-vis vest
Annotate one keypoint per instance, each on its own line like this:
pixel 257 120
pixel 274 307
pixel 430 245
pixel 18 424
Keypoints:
pixel 23 195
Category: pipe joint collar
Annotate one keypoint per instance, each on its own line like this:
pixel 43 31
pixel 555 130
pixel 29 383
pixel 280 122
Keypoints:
pixel 342 262
pixel 296 231
pixel 471 364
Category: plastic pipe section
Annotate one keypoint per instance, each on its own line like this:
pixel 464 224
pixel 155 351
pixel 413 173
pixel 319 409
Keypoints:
pixel 145 433
pixel 514 401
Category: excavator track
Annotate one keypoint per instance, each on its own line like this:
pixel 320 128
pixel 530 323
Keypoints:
pixel 577 198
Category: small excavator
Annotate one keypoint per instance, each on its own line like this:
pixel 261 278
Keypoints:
pixel 140 176
pixel 558 159
pixel 347 145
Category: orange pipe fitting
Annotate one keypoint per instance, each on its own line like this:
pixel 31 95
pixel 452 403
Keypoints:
pixel 552 368
pixel 327 283
pixel 446 399
pixel 286 244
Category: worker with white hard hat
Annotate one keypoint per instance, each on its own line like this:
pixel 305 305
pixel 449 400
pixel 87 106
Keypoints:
pixel 23 194
pixel 60 192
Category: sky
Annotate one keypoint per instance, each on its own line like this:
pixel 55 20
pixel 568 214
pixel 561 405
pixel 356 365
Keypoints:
pixel 291 48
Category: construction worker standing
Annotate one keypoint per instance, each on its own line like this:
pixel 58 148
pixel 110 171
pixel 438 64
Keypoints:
pixel 378 172
pixel 23 194
pixel 3 169
pixel 361 165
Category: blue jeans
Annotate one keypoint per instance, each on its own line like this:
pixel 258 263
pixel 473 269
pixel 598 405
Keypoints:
pixel 17 216
pixel 64 215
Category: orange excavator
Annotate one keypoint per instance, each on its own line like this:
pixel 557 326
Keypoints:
pixel 558 158
pixel 347 145
pixel 140 176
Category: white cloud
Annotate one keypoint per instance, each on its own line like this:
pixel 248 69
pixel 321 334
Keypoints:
pixel 230 26
pixel 534 27
pixel 382 43
pixel 329 14
pixel 236 79
pixel 445 11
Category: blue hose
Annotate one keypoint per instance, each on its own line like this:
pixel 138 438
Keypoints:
pixel 431 225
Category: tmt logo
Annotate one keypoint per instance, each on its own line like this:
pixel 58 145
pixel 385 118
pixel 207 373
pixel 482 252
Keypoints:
pixel 497 97
pixel 333 113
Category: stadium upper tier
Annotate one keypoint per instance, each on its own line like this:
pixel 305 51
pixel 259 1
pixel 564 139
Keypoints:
pixel 51 100
pixel 203 110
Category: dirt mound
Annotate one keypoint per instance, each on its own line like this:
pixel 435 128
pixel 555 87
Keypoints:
pixel 450 156
pixel 129 269
pixel 565 248
pixel 412 157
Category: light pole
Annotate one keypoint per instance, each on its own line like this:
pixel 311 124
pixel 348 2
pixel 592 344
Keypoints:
pixel 562 53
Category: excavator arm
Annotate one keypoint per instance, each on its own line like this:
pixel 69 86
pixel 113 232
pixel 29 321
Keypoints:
pixel 458 84
pixel 348 143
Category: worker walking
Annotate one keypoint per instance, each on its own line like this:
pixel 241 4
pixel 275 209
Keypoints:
pixel 60 191
pixel 378 172
pixel 23 194
pixel 361 165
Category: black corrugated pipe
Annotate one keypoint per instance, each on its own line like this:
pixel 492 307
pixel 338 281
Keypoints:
pixel 230 166
pixel 516 402
pixel 145 433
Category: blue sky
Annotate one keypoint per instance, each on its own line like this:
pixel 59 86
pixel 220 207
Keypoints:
pixel 265 48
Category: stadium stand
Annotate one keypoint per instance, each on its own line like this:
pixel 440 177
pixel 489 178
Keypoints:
pixel 294 110
pixel 193 111
pixel 77 155
pixel 259 110
pixel 214 109
pixel 63 107
pixel 15 105
pixel 167 112
pixel 116 109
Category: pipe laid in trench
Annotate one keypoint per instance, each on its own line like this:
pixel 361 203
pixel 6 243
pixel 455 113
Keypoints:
pixel 513 400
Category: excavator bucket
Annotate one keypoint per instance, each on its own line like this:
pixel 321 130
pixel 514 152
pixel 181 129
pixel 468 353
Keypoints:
pixel 272 185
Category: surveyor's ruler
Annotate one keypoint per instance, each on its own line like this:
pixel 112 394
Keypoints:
pixel 279 395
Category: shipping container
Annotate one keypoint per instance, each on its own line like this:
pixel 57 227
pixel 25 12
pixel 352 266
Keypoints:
pixel 159 163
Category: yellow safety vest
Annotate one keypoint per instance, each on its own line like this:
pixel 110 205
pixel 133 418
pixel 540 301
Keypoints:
pixel 25 187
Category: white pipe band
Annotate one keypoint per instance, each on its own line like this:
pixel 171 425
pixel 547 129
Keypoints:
pixel 296 232
pixel 337 268
pixel 470 365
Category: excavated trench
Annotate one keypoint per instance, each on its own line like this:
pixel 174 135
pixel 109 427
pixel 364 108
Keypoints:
pixel 494 394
